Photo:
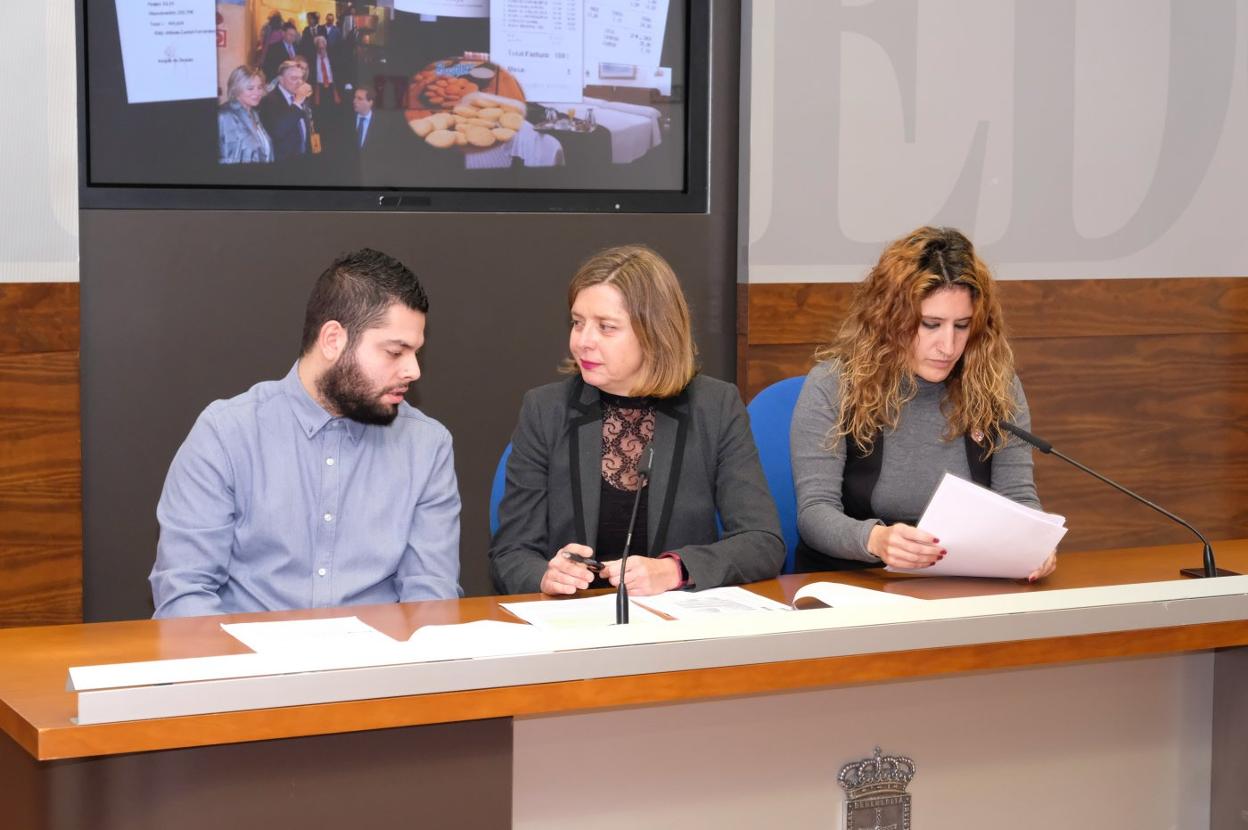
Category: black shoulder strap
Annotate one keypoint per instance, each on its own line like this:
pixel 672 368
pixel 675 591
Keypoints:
pixel 862 472
pixel 979 461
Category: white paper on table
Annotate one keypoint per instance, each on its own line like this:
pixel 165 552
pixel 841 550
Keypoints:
pixel 333 635
pixel 444 8
pixel 583 612
pixel 168 49
pixel 985 533
pixel 480 638
pixel 836 595
pixel 680 605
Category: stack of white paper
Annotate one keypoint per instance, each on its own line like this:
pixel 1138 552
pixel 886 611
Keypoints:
pixel 985 533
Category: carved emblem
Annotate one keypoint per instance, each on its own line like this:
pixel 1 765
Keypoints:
pixel 875 792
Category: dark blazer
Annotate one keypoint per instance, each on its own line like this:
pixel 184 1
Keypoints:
pixel 274 56
pixel 281 121
pixel 704 460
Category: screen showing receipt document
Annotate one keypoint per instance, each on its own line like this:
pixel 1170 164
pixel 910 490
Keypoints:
pixel 168 49
pixel 541 45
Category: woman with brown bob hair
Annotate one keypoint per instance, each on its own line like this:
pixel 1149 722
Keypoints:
pixel 634 391
pixel 916 383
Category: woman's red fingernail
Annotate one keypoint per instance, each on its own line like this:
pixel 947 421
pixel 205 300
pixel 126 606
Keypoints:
pixel 935 541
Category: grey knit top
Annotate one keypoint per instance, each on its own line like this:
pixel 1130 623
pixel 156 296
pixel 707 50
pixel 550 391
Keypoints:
pixel 915 456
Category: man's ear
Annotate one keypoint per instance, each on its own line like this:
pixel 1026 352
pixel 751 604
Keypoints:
pixel 332 341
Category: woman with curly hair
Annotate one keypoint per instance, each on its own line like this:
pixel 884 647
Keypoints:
pixel 916 383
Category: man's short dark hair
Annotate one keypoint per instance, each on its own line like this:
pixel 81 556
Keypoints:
pixel 290 24
pixel 357 290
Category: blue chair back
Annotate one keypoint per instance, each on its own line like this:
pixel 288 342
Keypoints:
pixel 771 411
pixel 496 490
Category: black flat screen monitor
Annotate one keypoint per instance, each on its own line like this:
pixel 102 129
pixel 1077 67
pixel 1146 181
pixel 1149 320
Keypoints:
pixel 538 105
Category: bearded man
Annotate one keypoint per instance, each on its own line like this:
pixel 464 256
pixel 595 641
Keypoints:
pixel 325 488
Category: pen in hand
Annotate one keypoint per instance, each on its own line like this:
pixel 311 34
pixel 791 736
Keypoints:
pixel 593 564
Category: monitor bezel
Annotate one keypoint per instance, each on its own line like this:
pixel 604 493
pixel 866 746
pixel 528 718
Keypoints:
pixel 693 198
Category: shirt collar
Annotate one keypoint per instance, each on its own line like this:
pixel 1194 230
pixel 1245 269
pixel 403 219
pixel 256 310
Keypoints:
pixel 311 416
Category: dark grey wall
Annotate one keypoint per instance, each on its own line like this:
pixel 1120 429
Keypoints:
pixel 182 307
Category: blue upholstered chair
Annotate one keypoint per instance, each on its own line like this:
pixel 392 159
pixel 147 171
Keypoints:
pixel 771 411
pixel 496 490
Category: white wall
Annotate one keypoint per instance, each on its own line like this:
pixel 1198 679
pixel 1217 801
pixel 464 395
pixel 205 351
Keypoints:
pixel 1117 744
pixel 1102 138
pixel 38 146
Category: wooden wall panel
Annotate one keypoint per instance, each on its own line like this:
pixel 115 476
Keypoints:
pixel 40 455
pixel 1145 380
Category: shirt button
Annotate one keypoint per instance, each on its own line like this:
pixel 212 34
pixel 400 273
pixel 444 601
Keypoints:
pixel 329 462
pixel 329 517
pixel 321 572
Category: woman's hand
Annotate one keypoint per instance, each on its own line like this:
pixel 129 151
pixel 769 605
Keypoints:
pixel 903 546
pixel 1045 569
pixel 564 575
pixel 644 576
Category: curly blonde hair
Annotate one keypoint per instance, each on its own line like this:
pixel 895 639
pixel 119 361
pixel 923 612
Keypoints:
pixel 876 342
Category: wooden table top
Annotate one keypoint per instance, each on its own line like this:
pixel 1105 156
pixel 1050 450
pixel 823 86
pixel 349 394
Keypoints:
pixel 36 710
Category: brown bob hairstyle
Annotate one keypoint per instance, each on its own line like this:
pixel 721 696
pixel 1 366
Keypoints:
pixel 876 341
pixel 657 312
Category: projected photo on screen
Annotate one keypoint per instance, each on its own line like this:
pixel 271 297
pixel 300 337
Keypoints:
pixel 400 94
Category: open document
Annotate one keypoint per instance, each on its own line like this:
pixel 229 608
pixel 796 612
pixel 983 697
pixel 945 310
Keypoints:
pixel 682 605
pixel 837 595
pixel 985 533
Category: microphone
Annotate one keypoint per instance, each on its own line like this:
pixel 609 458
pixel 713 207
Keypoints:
pixel 643 477
pixel 1210 569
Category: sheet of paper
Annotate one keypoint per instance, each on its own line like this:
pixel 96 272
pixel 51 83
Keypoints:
pixel 582 612
pixel 481 638
pixel 168 49
pixel 445 8
pixel 625 32
pixel 681 605
pixel 985 533
pixel 836 595
pixel 473 640
pixel 542 45
pixel 337 634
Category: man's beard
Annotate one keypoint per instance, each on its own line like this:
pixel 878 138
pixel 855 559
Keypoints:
pixel 344 387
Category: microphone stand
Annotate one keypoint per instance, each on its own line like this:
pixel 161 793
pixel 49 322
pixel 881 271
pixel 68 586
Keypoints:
pixel 621 591
pixel 1210 569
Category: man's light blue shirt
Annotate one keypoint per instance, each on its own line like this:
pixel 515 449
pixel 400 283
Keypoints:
pixel 272 503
